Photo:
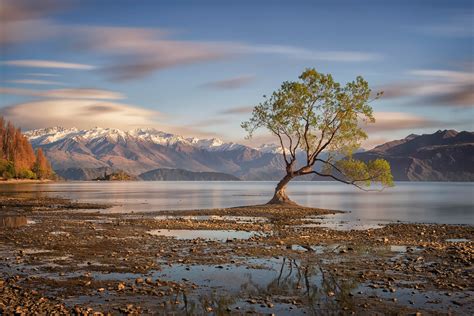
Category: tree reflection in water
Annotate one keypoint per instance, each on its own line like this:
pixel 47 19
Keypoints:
pixel 307 284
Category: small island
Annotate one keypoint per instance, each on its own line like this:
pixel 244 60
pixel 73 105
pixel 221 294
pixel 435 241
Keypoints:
pixel 116 176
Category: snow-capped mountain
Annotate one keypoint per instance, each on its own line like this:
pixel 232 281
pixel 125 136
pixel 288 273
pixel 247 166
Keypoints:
pixel 41 137
pixel 270 148
pixel 141 150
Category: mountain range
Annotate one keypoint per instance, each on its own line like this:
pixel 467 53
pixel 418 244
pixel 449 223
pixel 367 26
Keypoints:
pixel 442 156
pixel 76 154
pixel 86 154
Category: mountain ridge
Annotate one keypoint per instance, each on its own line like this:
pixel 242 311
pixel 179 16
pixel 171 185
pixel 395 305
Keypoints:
pixel 141 150
pixel 442 156
pixel 163 174
pixel 446 155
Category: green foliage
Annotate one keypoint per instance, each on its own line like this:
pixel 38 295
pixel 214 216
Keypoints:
pixel 7 169
pixel 318 114
pixel 25 174
pixel 363 174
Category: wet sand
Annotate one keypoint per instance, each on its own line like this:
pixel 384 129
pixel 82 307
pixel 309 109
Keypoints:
pixel 64 256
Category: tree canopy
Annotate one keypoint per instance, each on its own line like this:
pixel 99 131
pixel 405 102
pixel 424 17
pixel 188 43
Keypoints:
pixel 316 114
pixel 17 157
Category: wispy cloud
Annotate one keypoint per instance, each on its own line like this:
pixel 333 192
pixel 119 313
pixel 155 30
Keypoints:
pixel 209 122
pixel 307 54
pixel 237 110
pixel 35 82
pixel 138 52
pixel 76 93
pixel 37 63
pixel 41 74
pixel 456 26
pixel 79 113
pixel 398 121
pixel 26 20
pixel 435 87
pixel 13 10
pixel 230 83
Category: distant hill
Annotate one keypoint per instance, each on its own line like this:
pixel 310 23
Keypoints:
pixel 81 174
pixel 442 156
pixel 185 175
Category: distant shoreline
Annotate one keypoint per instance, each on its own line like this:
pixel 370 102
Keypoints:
pixel 24 181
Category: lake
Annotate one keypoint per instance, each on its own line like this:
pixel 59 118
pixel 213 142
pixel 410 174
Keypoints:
pixel 424 202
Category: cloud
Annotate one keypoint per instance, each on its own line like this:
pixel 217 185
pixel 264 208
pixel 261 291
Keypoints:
pixel 138 52
pixel 306 54
pixel 230 83
pixel 23 21
pixel 77 93
pixel 14 10
pixel 132 53
pixel 87 113
pixel 36 63
pixel 435 87
pixel 34 81
pixel 79 113
pixel 237 110
pixel 41 74
pixel 209 122
pixel 395 121
pixel 457 26
pixel 17 32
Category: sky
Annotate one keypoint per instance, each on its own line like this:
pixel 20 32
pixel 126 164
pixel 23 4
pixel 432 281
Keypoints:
pixel 196 68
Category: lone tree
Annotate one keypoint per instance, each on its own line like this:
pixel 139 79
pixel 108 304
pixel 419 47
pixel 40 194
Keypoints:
pixel 317 114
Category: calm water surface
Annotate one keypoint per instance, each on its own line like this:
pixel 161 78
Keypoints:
pixel 428 202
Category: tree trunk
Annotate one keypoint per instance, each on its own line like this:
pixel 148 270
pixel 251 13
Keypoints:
pixel 280 196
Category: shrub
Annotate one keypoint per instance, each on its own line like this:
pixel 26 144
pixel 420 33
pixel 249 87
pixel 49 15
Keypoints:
pixel 25 174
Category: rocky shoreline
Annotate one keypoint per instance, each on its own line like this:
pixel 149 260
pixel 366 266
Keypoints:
pixel 55 257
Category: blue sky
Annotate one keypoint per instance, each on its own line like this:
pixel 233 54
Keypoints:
pixel 197 67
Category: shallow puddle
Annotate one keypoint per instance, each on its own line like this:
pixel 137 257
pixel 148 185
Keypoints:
pixel 237 219
pixel 331 222
pixel 286 280
pixel 430 300
pixel 397 248
pixel 318 249
pixel 218 235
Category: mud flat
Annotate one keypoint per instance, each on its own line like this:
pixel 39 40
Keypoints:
pixel 54 257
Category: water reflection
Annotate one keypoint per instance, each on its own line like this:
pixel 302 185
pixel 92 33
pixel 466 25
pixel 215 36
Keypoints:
pixel 219 235
pixel 266 286
pixel 13 221
pixel 447 203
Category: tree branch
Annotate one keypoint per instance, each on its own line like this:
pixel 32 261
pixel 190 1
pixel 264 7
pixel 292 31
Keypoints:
pixel 354 182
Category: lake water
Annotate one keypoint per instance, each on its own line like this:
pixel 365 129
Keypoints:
pixel 425 202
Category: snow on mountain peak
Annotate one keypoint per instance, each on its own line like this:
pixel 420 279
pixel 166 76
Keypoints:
pixel 54 134
pixel 270 148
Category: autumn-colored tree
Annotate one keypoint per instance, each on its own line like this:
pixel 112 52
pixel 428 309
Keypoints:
pixel 23 154
pixel 317 114
pixel 17 157
pixel 42 168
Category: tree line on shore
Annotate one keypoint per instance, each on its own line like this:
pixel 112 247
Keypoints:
pixel 18 158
